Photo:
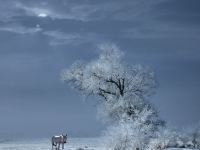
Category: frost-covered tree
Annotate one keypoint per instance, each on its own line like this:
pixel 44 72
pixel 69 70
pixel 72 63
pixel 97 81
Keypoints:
pixel 193 137
pixel 125 136
pixel 123 89
pixel 167 139
pixel 130 134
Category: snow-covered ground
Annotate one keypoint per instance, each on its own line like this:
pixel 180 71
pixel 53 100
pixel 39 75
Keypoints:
pixel 180 149
pixel 45 144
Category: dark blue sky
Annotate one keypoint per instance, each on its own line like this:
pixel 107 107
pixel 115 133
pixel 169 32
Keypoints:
pixel 40 38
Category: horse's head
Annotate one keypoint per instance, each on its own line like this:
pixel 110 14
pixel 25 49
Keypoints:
pixel 64 138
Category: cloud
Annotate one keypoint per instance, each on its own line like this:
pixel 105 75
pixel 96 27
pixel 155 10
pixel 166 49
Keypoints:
pixel 160 30
pixel 60 38
pixel 8 21
pixel 8 10
pixel 134 19
pixel 58 10
pixel 87 10
pixel 20 29
pixel 182 12
pixel 134 10
pixel 161 19
pixel 78 10
pixel 69 11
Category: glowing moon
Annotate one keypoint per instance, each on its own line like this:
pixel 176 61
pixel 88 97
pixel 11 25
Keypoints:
pixel 43 15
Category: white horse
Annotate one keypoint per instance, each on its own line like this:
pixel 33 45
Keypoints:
pixel 57 140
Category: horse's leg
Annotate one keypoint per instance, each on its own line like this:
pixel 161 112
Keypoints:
pixel 56 145
pixel 52 143
pixel 52 146
pixel 62 145
pixel 59 146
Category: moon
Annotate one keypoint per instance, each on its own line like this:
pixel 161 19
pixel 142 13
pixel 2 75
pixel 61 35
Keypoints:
pixel 43 15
